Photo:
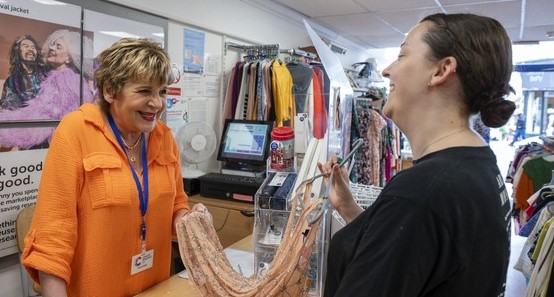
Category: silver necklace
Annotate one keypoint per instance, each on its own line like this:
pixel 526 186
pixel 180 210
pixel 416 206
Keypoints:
pixel 441 138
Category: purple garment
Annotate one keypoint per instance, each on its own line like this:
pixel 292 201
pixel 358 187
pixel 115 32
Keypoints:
pixel 59 94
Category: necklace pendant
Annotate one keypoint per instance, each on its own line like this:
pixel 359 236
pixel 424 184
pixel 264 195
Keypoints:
pixel 133 159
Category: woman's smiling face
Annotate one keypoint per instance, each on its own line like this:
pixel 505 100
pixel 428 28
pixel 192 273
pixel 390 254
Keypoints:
pixel 138 106
pixel 58 53
pixel 409 75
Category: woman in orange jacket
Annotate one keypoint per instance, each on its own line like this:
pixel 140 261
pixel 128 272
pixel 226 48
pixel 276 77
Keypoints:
pixel 111 188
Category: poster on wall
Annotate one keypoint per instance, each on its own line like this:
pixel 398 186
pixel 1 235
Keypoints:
pixel 40 76
pixel 19 180
pixel 41 61
pixel 176 113
pixel 193 51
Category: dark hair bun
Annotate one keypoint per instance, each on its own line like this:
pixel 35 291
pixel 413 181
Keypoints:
pixel 497 113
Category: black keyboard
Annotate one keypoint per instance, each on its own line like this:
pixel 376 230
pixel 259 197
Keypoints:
pixel 232 179
pixel 230 186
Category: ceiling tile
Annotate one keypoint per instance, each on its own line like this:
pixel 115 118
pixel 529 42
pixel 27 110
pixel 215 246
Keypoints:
pixel 373 23
pixel 466 2
pixel 539 12
pixel 357 24
pixel 376 41
pixel 507 13
pixel 396 5
pixel 403 21
pixel 323 7
pixel 536 32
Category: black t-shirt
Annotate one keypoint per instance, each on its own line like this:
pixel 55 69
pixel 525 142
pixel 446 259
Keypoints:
pixel 439 228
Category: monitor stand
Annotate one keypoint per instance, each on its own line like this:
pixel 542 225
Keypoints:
pixel 243 170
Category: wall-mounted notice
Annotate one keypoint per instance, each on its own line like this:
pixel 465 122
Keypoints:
pixel 193 51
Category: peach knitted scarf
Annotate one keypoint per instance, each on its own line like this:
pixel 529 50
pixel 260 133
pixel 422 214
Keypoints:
pixel 212 275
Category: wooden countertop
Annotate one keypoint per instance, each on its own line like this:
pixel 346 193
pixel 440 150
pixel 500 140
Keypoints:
pixel 180 287
pixel 230 204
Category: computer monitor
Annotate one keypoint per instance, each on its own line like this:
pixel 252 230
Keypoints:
pixel 245 144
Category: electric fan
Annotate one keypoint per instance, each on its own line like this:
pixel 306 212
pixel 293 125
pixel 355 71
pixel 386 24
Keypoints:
pixel 197 142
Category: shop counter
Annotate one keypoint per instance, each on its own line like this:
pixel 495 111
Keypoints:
pixel 180 287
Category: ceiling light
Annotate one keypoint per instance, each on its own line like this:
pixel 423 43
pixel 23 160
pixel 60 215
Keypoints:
pixel 161 35
pixel 49 2
pixel 120 34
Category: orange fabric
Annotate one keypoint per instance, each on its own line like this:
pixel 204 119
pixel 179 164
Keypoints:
pixel 86 225
pixel 319 110
pixel 524 190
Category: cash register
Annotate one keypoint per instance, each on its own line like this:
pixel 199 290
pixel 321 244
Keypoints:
pixel 243 150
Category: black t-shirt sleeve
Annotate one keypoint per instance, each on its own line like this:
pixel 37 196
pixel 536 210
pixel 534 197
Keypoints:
pixel 394 255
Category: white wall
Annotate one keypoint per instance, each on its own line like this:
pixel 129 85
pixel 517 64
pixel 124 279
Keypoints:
pixel 240 20
pixel 236 21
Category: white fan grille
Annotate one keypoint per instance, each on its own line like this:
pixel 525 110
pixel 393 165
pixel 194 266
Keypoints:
pixel 197 142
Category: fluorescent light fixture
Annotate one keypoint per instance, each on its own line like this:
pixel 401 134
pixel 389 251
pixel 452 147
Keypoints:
pixel 526 42
pixel 547 43
pixel 119 34
pixel 49 2
pixel 161 35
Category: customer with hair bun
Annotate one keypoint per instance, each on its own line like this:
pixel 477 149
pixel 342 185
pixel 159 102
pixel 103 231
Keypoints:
pixel 442 226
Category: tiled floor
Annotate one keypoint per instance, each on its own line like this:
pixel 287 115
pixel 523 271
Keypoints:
pixel 515 284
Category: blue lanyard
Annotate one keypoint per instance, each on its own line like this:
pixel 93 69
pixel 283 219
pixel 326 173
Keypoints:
pixel 143 194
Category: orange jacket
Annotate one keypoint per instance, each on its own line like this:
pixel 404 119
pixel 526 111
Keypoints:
pixel 86 225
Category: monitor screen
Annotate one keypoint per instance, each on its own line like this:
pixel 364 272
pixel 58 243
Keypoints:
pixel 245 142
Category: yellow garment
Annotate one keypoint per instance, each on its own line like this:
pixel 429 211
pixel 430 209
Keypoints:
pixel 86 225
pixel 283 100
pixel 212 275
pixel 540 241
pixel 540 277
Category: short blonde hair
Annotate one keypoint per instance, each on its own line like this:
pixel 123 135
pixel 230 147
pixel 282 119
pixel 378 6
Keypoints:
pixel 131 59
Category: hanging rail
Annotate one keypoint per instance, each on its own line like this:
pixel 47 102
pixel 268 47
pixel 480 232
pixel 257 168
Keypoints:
pixel 299 53
pixel 252 47
pixel 254 52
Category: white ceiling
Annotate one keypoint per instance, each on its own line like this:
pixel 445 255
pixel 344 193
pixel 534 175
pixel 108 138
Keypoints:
pixel 379 24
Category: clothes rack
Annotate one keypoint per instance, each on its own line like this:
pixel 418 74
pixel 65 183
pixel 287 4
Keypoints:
pixel 256 52
pixel 299 53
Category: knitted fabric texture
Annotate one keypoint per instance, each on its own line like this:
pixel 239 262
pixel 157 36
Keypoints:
pixel 211 273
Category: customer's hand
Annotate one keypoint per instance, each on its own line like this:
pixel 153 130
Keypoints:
pixel 339 191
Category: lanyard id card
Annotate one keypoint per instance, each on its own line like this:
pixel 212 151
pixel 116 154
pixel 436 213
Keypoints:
pixel 142 261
